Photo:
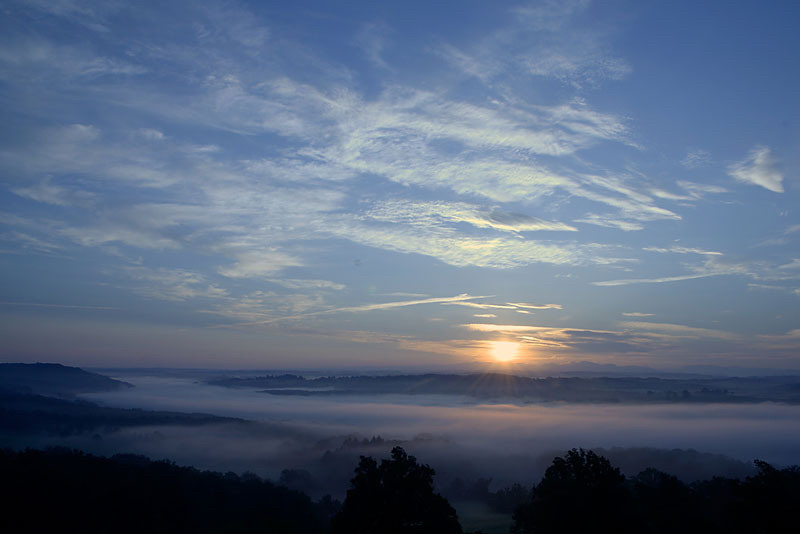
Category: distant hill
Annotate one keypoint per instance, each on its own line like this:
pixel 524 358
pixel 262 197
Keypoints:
pixel 493 386
pixel 24 414
pixel 53 379
pixel 40 398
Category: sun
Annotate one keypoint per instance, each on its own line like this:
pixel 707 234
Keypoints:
pixel 503 351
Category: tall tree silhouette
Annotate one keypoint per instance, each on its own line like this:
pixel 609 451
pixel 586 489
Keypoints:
pixel 395 497
pixel 581 492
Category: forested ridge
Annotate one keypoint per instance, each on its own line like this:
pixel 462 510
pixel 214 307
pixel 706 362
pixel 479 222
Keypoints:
pixel 39 414
pixel 54 379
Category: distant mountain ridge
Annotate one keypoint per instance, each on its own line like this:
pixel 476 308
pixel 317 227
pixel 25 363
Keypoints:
pixel 54 380
pixel 490 386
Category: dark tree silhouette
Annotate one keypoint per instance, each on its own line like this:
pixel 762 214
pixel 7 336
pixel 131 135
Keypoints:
pixel 662 504
pixel 77 493
pixel 395 497
pixel 771 500
pixel 581 492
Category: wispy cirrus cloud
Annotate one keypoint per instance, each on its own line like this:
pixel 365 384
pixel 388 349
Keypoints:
pixel 794 264
pixel 758 168
pixel 504 328
pixel 171 284
pixel 296 283
pixel 536 306
pixel 509 306
pixel 541 42
pixel 259 305
pixel 113 234
pixel 696 159
pixel 570 339
pixel 373 39
pixel 24 242
pixel 660 280
pixel 414 137
pixel 713 265
pixel 456 249
pixel 630 203
pixel 610 221
pixel 238 198
pixel 86 150
pixel 682 250
pixel 94 17
pixel 678 330
pixel 484 306
pixel 259 264
pixel 699 190
pixel 64 306
pixel 49 193
pixel 368 307
pixel 52 234
pixel 439 213
pixel 667 195
pixel 782 239
pixel 783 346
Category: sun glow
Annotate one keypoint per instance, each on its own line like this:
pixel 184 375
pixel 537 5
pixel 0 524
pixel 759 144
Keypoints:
pixel 503 351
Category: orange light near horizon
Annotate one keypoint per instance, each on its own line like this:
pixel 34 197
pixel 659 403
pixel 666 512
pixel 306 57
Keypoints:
pixel 503 351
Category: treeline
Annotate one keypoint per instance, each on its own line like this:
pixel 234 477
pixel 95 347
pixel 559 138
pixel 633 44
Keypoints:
pixel 73 492
pixel 70 491
pixel 583 492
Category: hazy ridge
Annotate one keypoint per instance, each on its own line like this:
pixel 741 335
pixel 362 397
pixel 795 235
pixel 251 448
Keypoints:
pixel 488 386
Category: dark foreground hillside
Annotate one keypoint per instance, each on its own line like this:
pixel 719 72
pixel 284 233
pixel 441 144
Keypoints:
pixel 73 492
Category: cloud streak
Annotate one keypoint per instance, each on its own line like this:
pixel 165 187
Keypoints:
pixel 370 307
pixel 758 168
pixel 683 250
pixel 630 281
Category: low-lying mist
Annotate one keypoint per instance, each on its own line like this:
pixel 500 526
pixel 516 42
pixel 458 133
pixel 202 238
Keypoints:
pixel 460 438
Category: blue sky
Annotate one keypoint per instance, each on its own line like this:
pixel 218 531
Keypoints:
pixel 322 184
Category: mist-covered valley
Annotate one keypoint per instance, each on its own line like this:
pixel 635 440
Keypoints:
pixel 311 443
pixel 461 436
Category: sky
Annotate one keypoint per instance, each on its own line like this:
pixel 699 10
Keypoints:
pixel 400 184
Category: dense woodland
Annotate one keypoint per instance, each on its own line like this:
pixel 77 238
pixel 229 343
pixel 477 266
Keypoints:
pixel 583 492
pixel 72 492
pixel 59 490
